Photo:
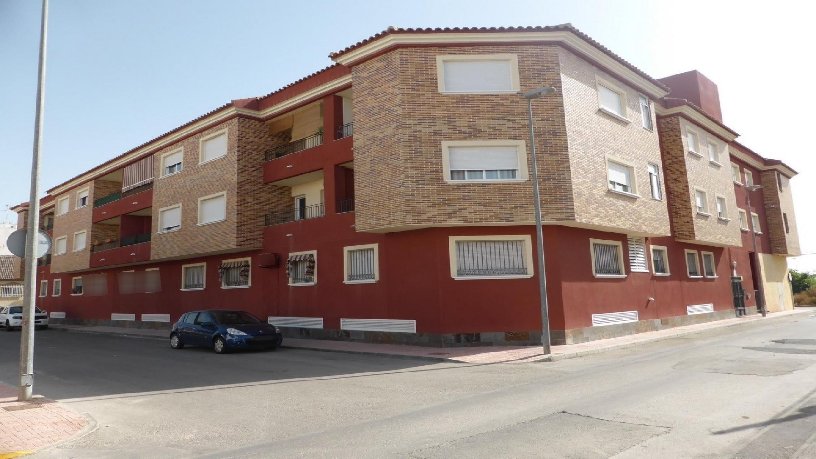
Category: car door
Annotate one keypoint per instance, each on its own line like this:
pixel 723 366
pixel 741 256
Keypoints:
pixel 203 328
pixel 185 328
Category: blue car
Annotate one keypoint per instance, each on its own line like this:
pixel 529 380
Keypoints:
pixel 224 330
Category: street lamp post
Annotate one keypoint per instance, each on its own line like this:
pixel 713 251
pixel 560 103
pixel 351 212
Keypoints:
pixel 542 277
pixel 760 296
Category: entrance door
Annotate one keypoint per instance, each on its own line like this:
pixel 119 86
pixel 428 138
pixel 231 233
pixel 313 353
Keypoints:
pixel 739 295
pixel 300 207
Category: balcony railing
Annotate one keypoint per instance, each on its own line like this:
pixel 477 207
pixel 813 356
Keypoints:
pixel 138 189
pixel 345 130
pixel 345 205
pixel 107 199
pixel 294 146
pixel 306 213
pixel 125 241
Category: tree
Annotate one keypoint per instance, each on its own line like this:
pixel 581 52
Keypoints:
pixel 801 281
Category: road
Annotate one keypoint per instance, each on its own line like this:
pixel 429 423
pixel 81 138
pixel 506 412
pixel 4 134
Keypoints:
pixel 747 391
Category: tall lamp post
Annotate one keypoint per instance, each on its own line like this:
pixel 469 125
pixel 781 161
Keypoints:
pixel 542 277
pixel 760 296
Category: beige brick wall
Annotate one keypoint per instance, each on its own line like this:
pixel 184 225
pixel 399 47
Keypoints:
pixel 186 187
pixel 401 119
pixel 67 224
pixel 779 201
pixel 594 137
pixel 106 187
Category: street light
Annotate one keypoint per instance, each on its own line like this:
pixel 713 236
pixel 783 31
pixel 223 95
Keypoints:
pixel 760 297
pixel 542 278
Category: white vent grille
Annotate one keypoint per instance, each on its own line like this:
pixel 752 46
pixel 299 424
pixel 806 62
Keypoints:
pixel 637 255
pixel 699 309
pixel 155 317
pixel 384 325
pixel 57 315
pixel 612 318
pixel 116 316
pixel 299 322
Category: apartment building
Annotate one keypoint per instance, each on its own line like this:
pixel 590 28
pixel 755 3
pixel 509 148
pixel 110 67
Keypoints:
pixel 388 198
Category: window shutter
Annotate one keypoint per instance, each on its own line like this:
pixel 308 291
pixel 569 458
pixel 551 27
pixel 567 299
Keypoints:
pixel 619 173
pixel 61 245
pixel 173 158
pixel 478 75
pixel 79 241
pixel 483 158
pixel 137 174
pixel 170 218
pixel 213 209
pixel 637 254
pixel 610 100
pixel 214 148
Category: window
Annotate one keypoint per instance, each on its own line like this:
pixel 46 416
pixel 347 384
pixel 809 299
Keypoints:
pixel 490 257
pixel 193 276
pixel 779 181
pixel 61 245
pixel 749 178
pixel 213 147
pixel 79 240
pixel 654 182
pixel 714 152
pixel 62 206
pixel 785 221
pixel 755 223
pixel 692 264
pixel 646 112
pixel 212 208
pixel 692 142
pixel 701 202
pixel 171 163
pixel 743 220
pixel 637 255
pixel 76 286
pixel 234 273
pixel 660 260
pixel 82 198
pixel 611 100
pixel 620 177
pixel 607 258
pixel 709 267
pixel 170 218
pixel 301 268
pixel 484 161
pixel 43 288
pixel 735 174
pixel 361 264
pixel 57 287
pixel 479 74
pixel 722 210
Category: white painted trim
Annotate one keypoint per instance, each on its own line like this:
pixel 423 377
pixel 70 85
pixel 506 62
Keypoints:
pixel 190 265
pixel 67 199
pixel 120 316
pixel 43 291
pixel 54 287
pixel 622 264
pixel 528 254
pixel 521 157
pixel 156 318
pixel 348 249
pixel 57 315
pixel 698 118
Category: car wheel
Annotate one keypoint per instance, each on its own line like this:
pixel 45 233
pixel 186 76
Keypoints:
pixel 219 345
pixel 175 342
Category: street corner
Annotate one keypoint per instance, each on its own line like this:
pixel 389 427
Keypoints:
pixel 36 424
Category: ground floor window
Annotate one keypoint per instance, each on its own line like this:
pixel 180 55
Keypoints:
pixel 76 286
pixel 693 264
pixel 361 264
pixel 491 257
pixel 234 273
pixel 660 260
pixel 192 276
pixel 43 288
pixel 57 287
pixel 709 267
pixel 607 258
pixel 301 268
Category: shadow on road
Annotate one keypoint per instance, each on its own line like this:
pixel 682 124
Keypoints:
pixel 804 412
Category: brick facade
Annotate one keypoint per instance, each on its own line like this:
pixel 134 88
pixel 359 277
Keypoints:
pixel 778 204
pixel 75 220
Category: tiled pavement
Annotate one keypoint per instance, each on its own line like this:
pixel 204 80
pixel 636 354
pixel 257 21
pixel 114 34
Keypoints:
pixel 28 426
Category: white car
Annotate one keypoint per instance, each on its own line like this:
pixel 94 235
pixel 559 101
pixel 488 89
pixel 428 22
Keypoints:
pixel 12 317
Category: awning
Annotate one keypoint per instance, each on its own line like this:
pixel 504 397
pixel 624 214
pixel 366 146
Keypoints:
pixel 301 257
pixel 234 264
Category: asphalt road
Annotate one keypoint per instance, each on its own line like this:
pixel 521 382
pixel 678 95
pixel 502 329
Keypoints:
pixel 744 392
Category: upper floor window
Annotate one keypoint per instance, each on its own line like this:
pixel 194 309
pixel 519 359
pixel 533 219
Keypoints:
pixel 713 152
pixel 645 112
pixel 213 147
pixel 170 218
pixel 82 198
pixel 755 223
pixel 79 240
pixel 654 181
pixel 735 174
pixel 478 74
pixel 488 257
pixel 484 161
pixel 785 221
pixel 749 178
pixel 722 209
pixel 611 99
pixel 607 258
pixel 620 177
pixel 701 202
pixel 172 162
pixel 692 142
pixel 62 206
pixel 61 245
pixel 360 264
pixel 743 220
pixel 212 209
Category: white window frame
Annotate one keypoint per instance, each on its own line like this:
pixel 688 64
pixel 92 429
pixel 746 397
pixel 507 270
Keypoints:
pixel 83 193
pixel 161 230
pixel 713 264
pixel 73 286
pixel 314 278
pixel 163 166
pixel 528 255
pixel 73 242
pixel 705 211
pixel 724 214
pixel 696 147
pixel 601 82
pixel 212 196
pixel 665 251
pixel 621 262
pixel 715 160
pixel 659 183
pixel 736 175
pixel 647 114
pixel 56 289
pixel 699 267
pixel 512 58
pixel 203 278
pixel 749 178
pixel 207 138
pixel 521 152
pixel 743 216
pixel 755 223
pixel 56 245
pixel 632 177
pixel 352 248
pixel 43 288
pixel 249 278
pixel 67 201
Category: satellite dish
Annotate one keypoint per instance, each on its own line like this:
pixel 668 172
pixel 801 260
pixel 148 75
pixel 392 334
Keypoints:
pixel 16 243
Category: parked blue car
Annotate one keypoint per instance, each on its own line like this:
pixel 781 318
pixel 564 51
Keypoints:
pixel 224 330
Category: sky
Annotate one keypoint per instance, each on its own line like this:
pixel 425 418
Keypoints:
pixel 121 72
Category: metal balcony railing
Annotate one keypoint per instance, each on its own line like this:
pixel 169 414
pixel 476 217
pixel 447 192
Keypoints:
pixel 294 146
pixel 345 130
pixel 305 213
pixel 125 241
pixel 345 205
pixel 107 199
pixel 138 189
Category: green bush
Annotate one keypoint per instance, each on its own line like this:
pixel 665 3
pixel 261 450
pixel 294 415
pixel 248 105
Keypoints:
pixel 806 298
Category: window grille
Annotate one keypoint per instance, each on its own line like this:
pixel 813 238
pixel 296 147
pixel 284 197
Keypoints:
pixel 301 268
pixel 360 264
pixel 607 259
pixel 13 290
pixel 490 258
pixel 194 277
pixel 659 261
pixel 234 273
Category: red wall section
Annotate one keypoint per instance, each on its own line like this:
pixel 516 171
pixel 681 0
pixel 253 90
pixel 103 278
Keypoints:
pixel 124 205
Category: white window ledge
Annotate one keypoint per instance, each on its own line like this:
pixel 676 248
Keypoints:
pixel 610 276
pixel 210 223
pixel 711 277
pixel 368 281
pixel 614 115
pixel 757 232
pixel 76 294
pixel 737 183
pixel 516 180
pixel 168 231
pixel 662 274
pixel 170 174
pixel 624 193
pixel 724 219
pixel 520 276
pixel 703 214
pixel 744 230
pixel 694 153
pixel 695 277
pixel 454 93
pixel 714 163
pixel 304 284
pixel 229 287
pixel 190 289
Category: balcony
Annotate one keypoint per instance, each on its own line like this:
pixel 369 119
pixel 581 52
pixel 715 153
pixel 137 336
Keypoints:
pixel 116 204
pixel 128 250
pixel 295 146
pixel 302 213
pixel 346 130
pixel 345 205
pixel 124 242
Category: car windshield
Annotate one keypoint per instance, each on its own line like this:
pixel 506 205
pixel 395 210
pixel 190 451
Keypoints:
pixel 39 311
pixel 16 310
pixel 235 317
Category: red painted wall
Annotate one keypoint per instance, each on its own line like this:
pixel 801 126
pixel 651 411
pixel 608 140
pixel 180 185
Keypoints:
pixel 125 205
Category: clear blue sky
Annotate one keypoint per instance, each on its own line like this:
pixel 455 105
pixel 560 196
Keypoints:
pixel 121 72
